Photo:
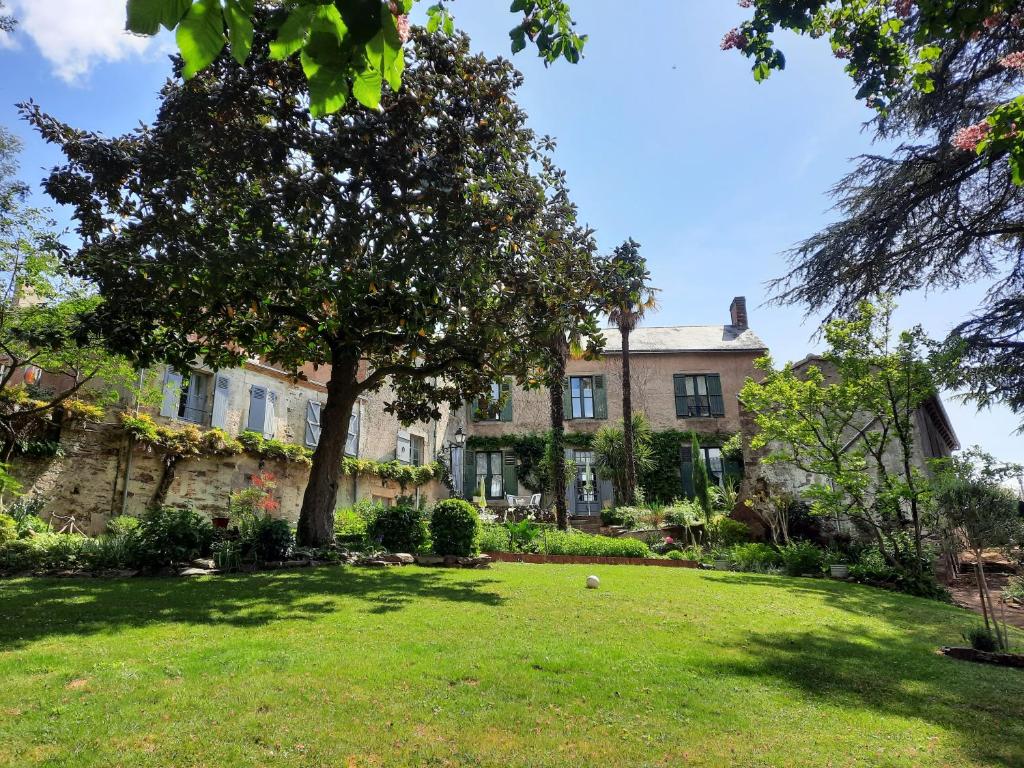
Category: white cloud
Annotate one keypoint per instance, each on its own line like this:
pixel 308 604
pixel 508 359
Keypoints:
pixel 75 35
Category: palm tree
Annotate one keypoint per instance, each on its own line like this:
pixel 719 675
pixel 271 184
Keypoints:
pixel 627 298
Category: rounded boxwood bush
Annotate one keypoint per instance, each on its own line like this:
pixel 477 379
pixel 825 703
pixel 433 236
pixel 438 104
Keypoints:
pixel 398 529
pixel 455 528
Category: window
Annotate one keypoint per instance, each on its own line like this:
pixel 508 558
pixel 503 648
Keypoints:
pixel 194 400
pixel 491 407
pixel 581 390
pixel 489 472
pixel 417 446
pixel 403 448
pixel 713 461
pixel 586 477
pixel 698 395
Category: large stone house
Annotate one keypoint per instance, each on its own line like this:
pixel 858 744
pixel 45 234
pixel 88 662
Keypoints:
pixel 685 378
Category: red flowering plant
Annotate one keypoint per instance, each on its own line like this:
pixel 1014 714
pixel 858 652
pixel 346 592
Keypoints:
pixel 257 500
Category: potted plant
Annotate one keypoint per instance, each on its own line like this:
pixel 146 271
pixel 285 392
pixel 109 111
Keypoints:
pixel 837 566
pixel 722 559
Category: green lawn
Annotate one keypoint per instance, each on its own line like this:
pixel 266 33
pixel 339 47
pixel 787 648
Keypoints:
pixel 519 665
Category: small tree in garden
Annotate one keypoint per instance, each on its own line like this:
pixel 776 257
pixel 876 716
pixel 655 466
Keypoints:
pixel 851 426
pixel 771 507
pixel 984 515
pixel 701 481
pixel 611 455
pixel 43 323
pixel 394 244
pixel 628 296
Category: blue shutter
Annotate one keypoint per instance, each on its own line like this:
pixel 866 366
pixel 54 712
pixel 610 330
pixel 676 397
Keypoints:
pixel 172 394
pixel 715 394
pixel 221 393
pixel 469 475
pixel 257 409
pixel 312 423
pixel 509 473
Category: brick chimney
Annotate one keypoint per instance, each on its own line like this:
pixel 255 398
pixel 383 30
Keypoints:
pixel 738 312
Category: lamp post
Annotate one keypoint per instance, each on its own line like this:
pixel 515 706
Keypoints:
pixel 459 442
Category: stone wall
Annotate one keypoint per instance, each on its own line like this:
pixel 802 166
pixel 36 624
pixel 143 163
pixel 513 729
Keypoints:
pixel 98 476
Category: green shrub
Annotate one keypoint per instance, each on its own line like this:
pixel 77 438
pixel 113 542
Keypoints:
pixel 1015 589
pixel 30 525
pixel 723 531
pixel 44 551
pixel 981 639
pixel 274 539
pixel 627 517
pixel 801 557
pixel 686 513
pixel 755 557
pixel 172 535
pixel 675 554
pixel 554 542
pixel 111 550
pixel 8 529
pixel 123 525
pixel 494 538
pixel 398 529
pixel 454 528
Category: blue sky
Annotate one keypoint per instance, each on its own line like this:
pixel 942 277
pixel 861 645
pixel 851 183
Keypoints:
pixel 665 139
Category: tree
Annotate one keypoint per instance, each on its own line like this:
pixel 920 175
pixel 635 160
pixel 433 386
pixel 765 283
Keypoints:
pixel 347 48
pixel 984 515
pixel 701 481
pixel 610 451
pixel 7 22
pixel 946 208
pixel 561 313
pixel 850 423
pixel 43 324
pixel 627 298
pixel 391 244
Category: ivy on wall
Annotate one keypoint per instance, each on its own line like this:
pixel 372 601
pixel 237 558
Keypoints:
pixel 189 441
pixel 661 483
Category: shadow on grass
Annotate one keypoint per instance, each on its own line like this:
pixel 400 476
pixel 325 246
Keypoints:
pixel 33 609
pixel 894 674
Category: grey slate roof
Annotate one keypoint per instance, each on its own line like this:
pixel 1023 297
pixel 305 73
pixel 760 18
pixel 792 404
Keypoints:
pixel 686 338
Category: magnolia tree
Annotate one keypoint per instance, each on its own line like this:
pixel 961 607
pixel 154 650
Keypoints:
pixel 946 207
pixel 395 244
pixel 348 48
pixel 850 423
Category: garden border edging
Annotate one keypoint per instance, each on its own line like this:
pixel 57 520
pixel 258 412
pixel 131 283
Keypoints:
pixel 523 557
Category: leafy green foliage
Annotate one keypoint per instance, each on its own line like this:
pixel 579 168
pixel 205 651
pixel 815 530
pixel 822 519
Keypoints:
pixel 722 531
pixel 627 517
pixel 801 557
pixel 609 447
pixel 755 557
pixel 454 528
pixel 554 542
pixel 981 638
pixel 8 528
pixel 684 512
pixel 169 535
pixel 351 524
pixel 400 528
pixel 346 47
pixel 844 419
pixel 701 481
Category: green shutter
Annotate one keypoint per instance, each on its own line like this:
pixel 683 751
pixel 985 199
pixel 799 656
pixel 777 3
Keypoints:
pixel 510 473
pixel 686 470
pixel 469 474
pixel 566 400
pixel 715 394
pixel 506 409
pixel 679 390
pixel 600 398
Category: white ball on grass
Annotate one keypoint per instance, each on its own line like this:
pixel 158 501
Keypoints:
pixel 593 582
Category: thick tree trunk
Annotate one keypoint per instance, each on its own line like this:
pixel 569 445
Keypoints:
pixel 629 492
pixel 316 518
pixel 558 445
